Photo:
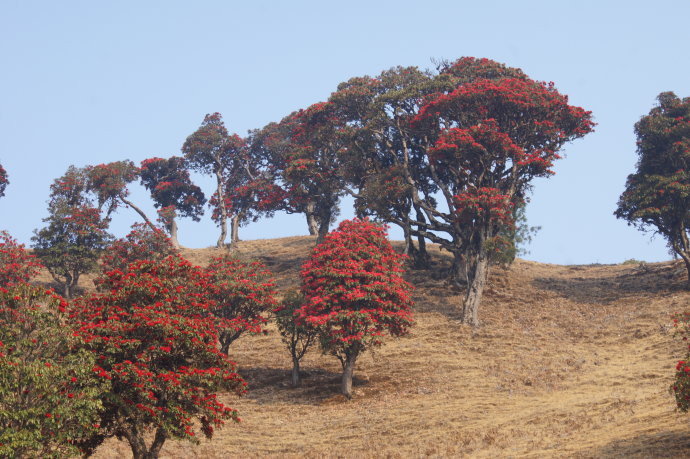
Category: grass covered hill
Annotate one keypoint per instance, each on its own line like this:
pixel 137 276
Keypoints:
pixel 569 361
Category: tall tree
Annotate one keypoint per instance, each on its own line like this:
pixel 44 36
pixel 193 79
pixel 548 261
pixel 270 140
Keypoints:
pixel 212 150
pixel 172 191
pixel 657 194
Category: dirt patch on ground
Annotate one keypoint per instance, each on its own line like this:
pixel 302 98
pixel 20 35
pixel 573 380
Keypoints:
pixel 570 361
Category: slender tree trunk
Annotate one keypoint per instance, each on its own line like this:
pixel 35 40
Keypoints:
pixel 478 271
pixel 173 234
pixel 348 371
pixel 409 245
pixel 235 229
pixel 311 219
pixel 67 290
pixel 295 372
pixel 422 256
pixel 139 211
pixel 223 212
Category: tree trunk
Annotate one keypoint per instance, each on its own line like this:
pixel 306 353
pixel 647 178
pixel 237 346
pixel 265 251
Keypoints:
pixel 478 271
pixel 173 234
pixel 295 372
pixel 67 290
pixel 138 445
pixel 235 229
pixel 223 212
pixel 421 256
pixel 139 211
pixel 348 370
pixel 324 225
pixel 311 219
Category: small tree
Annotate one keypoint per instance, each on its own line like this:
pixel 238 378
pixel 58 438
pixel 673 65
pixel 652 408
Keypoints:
pixel 16 264
pixel 172 191
pixel 241 294
pixel 142 243
pixel 156 340
pixel 71 244
pixel 297 335
pixel 657 195
pixel 4 181
pixel 355 293
pixel 49 397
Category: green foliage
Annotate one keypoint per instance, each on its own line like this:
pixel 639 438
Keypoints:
pixel 657 194
pixel 296 335
pixel 48 395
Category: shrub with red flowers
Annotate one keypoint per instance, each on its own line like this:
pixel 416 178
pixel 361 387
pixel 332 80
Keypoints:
pixel 49 398
pixel 16 264
pixel 355 293
pixel 142 243
pixel 242 294
pixel 172 191
pixel 657 194
pixel 4 181
pixel 156 341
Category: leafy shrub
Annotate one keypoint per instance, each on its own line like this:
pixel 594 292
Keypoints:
pixel 142 243
pixel 16 264
pixel 298 336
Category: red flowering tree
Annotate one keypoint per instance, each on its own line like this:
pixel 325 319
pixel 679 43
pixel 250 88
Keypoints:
pixel 49 398
pixel 307 147
pixel 657 194
pixel 109 183
pixel 4 181
pixel 156 341
pixel 16 264
pixel 484 142
pixel 242 293
pixel 212 150
pixel 355 293
pixel 172 191
pixel 142 243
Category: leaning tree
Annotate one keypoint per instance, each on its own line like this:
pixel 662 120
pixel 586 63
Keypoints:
pixel 657 194
pixel 172 191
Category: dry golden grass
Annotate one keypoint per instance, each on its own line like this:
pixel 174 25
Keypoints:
pixel 571 361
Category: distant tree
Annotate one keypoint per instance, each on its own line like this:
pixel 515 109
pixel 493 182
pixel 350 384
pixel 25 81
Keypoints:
pixel 212 150
pixel 17 266
pixel 109 183
pixel 172 191
pixel 142 243
pixel 76 234
pixel 297 335
pixel 4 181
pixel 354 293
pixel 49 397
pixel 242 293
pixel 156 343
pixel 657 194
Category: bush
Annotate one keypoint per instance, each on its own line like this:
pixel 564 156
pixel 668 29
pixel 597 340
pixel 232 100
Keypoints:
pixel 16 264
pixel 142 243
pixel 297 336
pixel 49 403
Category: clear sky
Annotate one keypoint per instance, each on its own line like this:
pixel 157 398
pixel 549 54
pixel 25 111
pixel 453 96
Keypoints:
pixel 91 82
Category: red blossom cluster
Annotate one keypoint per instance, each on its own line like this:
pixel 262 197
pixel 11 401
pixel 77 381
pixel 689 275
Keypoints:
pixel 16 264
pixel 142 243
pixel 484 203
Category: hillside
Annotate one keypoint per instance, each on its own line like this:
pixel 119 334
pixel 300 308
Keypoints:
pixel 570 361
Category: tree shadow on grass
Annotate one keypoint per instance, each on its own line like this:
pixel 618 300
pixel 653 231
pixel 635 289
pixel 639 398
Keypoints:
pixel 662 444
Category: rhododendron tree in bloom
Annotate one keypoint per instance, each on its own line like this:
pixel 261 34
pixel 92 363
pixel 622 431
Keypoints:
pixel 172 191
pixel 657 194
pixel 16 264
pixel 242 294
pixel 4 181
pixel 142 243
pixel 49 398
pixel 355 293
pixel 485 137
pixel 109 183
pixel 156 339
pixel 75 235
pixel 212 150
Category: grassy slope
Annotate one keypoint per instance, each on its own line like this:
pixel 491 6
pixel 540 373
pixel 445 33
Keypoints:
pixel 570 361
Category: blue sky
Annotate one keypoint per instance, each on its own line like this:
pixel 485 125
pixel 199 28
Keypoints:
pixel 91 82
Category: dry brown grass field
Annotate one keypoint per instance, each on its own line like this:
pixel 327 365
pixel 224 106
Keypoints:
pixel 570 361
